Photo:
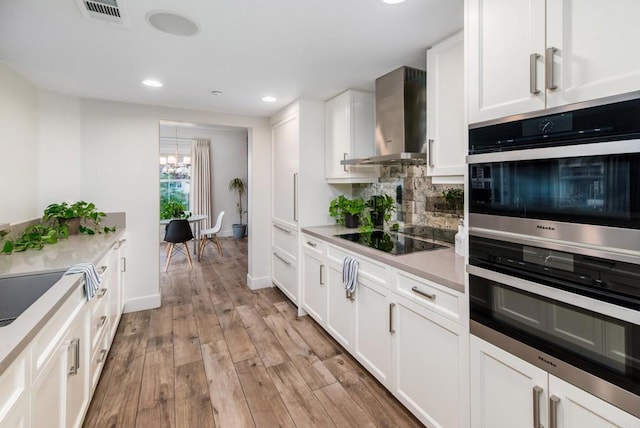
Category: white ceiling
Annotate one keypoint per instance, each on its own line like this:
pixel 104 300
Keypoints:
pixel 245 48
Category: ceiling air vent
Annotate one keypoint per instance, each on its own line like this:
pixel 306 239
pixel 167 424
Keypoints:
pixel 104 10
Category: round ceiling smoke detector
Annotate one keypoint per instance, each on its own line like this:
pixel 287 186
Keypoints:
pixel 171 23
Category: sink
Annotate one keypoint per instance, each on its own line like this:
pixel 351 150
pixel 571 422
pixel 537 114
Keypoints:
pixel 17 293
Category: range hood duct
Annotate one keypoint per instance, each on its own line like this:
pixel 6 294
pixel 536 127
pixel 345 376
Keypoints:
pixel 401 122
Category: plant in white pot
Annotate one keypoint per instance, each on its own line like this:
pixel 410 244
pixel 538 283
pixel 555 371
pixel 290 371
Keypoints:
pixel 239 186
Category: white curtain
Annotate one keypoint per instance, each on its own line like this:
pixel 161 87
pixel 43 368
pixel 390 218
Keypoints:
pixel 201 186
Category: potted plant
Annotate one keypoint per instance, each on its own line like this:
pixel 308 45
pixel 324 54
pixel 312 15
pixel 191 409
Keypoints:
pixel 79 217
pixel 347 211
pixel 380 209
pixel 173 209
pixel 239 186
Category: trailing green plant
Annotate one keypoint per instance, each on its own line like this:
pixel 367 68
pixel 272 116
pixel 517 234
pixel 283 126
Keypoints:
pixel 341 205
pixel 173 209
pixel 239 186
pixel 454 198
pixel 59 216
pixel 34 237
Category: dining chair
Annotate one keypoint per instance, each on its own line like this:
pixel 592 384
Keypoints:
pixel 211 235
pixel 178 232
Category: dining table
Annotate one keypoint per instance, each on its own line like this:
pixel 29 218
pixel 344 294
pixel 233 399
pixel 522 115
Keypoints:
pixel 194 220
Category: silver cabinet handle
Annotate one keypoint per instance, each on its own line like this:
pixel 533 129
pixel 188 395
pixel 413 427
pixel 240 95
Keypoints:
pixel 321 274
pixel 103 354
pixel 75 345
pixel 102 292
pixel 533 74
pixel 312 244
pixel 391 330
pixel 102 270
pixel 430 152
pixel 287 231
pixel 103 320
pixel 295 196
pixel 537 391
pixel 553 411
pixel 283 260
pixel 549 68
pixel 431 297
pixel 345 157
pixel 123 265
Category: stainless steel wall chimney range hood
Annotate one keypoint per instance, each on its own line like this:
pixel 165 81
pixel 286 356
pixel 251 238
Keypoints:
pixel 401 123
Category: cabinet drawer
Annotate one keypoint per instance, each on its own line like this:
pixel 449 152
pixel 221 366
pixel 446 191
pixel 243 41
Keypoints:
pixel 99 358
pixel 430 295
pixel 99 318
pixel 285 274
pixel 314 245
pixel 367 268
pixel 286 240
pixel 13 383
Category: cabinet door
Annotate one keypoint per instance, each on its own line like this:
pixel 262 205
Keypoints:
pixel 341 311
pixel 575 408
pixel 48 392
pixel 285 169
pixel 428 350
pixel 374 328
pixel 314 289
pixel 18 414
pixel 504 388
pixel 446 125
pixel 593 59
pixel 502 36
pixel 78 349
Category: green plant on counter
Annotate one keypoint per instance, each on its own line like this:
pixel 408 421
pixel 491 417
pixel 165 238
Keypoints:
pixel 34 237
pixel 343 205
pixel 61 215
pixel 454 198
pixel 173 209
pixel 380 209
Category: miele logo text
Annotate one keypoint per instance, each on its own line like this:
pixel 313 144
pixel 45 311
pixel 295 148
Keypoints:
pixel 544 360
pixel 545 227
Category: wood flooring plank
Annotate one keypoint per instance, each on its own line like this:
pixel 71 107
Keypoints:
pixel 311 368
pixel 206 320
pixel 192 402
pixel 343 411
pixel 315 337
pixel 157 379
pixel 240 345
pixel 304 408
pixel 263 398
pixel 229 403
pixel 263 338
pixel 160 328
pixel 162 415
pixel 186 344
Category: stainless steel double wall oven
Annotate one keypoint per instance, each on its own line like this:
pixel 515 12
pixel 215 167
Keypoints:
pixel 554 245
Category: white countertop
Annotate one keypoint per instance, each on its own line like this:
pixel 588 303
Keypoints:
pixel 442 266
pixel 52 258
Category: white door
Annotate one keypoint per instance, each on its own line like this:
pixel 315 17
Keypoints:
pixel 596 55
pixel 446 125
pixel 314 287
pixel 341 311
pixel 374 327
pixel 502 37
pixel 285 170
pixel 78 348
pixel 337 135
pixel 575 408
pixel 48 393
pixel 18 414
pixel 505 390
pixel 428 364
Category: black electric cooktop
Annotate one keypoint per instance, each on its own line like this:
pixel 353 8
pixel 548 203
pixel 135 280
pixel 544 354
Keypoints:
pixel 391 242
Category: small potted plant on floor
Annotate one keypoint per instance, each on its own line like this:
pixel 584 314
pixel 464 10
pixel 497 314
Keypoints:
pixel 346 211
pixel 239 186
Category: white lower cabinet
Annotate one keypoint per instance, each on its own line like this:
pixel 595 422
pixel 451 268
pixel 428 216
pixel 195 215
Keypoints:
pixel 507 391
pixel 314 290
pixel 428 364
pixel 48 392
pixel 18 415
pixel 341 310
pixel 77 373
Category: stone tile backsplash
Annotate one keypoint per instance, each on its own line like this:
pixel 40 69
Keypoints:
pixel 423 203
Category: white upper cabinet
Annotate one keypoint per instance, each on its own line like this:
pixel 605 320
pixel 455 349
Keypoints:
pixel 285 170
pixel 527 55
pixel 446 124
pixel 349 134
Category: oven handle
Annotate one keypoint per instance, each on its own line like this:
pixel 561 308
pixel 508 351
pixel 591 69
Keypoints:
pixel 588 303
pixel 578 150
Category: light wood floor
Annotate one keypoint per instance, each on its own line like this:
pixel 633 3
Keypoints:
pixel 218 354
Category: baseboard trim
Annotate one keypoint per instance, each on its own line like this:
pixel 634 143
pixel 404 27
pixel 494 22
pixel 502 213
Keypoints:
pixel 259 282
pixel 143 303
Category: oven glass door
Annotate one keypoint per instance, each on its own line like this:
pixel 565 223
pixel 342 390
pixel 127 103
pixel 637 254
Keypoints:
pixel 592 341
pixel 601 190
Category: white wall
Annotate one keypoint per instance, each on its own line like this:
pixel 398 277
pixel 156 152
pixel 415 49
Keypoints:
pixel 19 148
pixel 120 173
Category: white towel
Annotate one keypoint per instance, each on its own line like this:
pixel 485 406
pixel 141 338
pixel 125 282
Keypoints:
pixel 350 273
pixel 91 277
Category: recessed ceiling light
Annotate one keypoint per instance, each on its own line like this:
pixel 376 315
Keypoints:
pixel 216 93
pixel 172 23
pixel 392 1
pixel 269 99
pixel 152 83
